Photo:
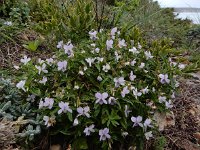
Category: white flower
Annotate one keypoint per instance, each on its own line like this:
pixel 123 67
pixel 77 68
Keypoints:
pixel 124 91
pixel 62 65
pixel 43 81
pixel 137 121
pixel 84 111
pixel 93 44
pixel 90 61
pixel 16 67
pixel 126 111
pixel 48 102
pixel 139 46
pixel 8 23
pixel 89 129
pixel 148 55
pixel 181 66
pixel 60 44
pixel 168 104
pixel 117 56
pixel 132 76
pixel 119 81
pixel 173 95
pixel 162 99
pixel 153 89
pixel 145 90
pixel 142 65
pixel 127 63
pixel 41 68
pixel 177 84
pixel 124 134
pixel 112 100
pixel 64 107
pixel 134 50
pixel 47 121
pixel 75 123
pixel 41 104
pixel 40 61
pixel 122 43
pixel 101 98
pixel 50 61
pixel 76 87
pixel 25 60
pixel 99 78
pixel 104 134
pixel 136 93
pixel 21 84
pixel 148 135
pixel 133 62
pixel 93 34
pixel 81 72
pixel 109 44
pixel 106 67
pixel 164 78
pixel 100 59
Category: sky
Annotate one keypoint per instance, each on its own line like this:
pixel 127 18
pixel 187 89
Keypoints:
pixel 179 3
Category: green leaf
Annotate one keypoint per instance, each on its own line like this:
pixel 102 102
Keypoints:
pixel 35 91
pixel 70 116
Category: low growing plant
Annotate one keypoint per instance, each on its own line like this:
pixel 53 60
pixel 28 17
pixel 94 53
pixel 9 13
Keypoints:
pixel 102 93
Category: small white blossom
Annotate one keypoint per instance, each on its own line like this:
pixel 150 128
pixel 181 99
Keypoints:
pixel 75 123
pixel 76 87
pixel 81 72
pixel 133 62
pixel 8 23
pixel 162 99
pixel 148 135
pixel 113 31
pixel 97 50
pixel 21 84
pixel 25 60
pixel 47 121
pixel 117 56
pixel 60 44
pixel 16 67
pixel 106 68
pixel 89 129
pixel 62 65
pixel 112 101
pixel 142 65
pixel 100 59
pixel 181 66
pixel 93 34
pixel 50 61
pixel 41 68
pixel 125 91
pixel 127 111
pixel 109 44
pixel 99 78
pixel 135 92
pixel 43 81
pixel 139 46
pixel 134 50
pixel 168 104
pixel 148 55
pixel 145 90
pixel 69 49
pixel 124 134
pixel 90 61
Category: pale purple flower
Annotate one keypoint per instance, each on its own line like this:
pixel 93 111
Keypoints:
pixel 100 59
pixel 164 78
pixel 60 44
pixel 41 104
pixel 97 50
pixel 137 121
pixel 50 61
pixel 104 134
pixel 127 111
pixel 90 61
pixel 181 66
pixel 117 56
pixel 48 102
pixel 25 60
pixel 89 129
pixel 84 111
pixel 113 31
pixel 119 81
pixel 64 107
pixel 101 98
pixel 43 81
pixel 106 68
pixel 148 55
pixel 62 65
pixel 46 119
pixel 109 44
pixel 134 50
pixel 8 23
pixel 21 84
pixel 147 123
pixel 122 43
pixel 41 68
pixel 168 104
pixel 76 122
pixel 148 135
pixel 132 76
pixel 112 101
pixel 162 99
pixel 69 49
pixel 125 91
pixel 173 95
pixel 93 34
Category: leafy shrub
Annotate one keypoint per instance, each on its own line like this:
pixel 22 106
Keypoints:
pixel 103 91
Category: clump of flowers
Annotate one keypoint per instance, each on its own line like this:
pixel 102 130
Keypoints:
pixel 101 89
